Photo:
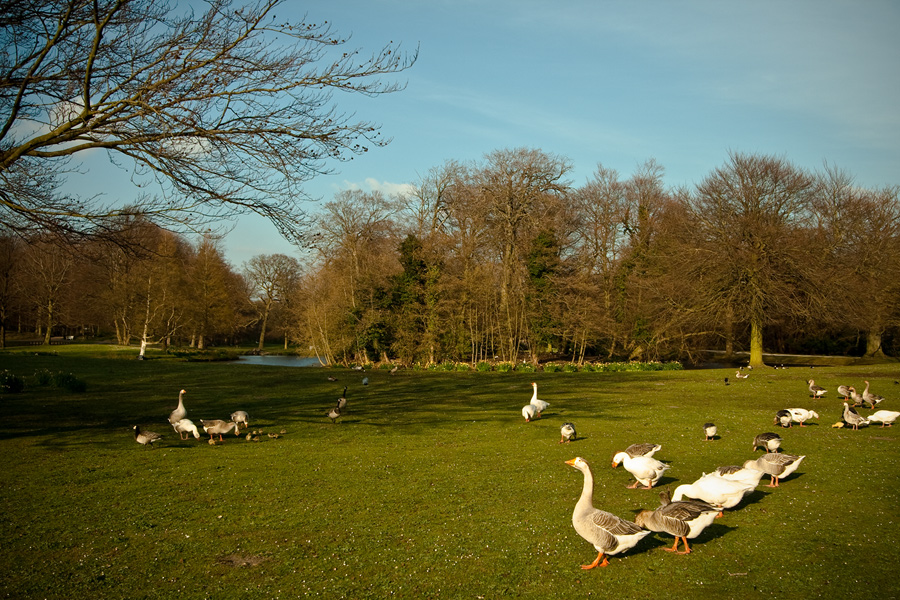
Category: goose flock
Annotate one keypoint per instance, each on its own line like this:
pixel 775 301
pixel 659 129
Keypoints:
pixel 184 427
pixel 694 506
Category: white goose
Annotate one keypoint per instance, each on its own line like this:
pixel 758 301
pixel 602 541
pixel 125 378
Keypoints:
pixel 646 470
pixel 716 490
pixel 736 473
pixel 539 405
pixel 186 427
pixel 816 391
pixel 801 415
pixel 529 412
pixel 567 433
pixel 180 411
pixel 642 449
pixel 608 533
pixel 770 441
pixel 710 430
pixel 778 466
pixel 885 417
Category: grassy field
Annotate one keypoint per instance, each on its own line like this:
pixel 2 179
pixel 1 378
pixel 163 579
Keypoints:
pixel 431 486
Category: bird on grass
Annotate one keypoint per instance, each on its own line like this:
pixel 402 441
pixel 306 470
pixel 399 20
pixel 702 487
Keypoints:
pixel 334 414
pixel 539 405
pixel 184 428
pixel 816 391
pixel 873 399
pixel 844 390
pixel 801 415
pixel 180 411
pixel 240 417
pixel 145 438
pixel 769 441
pixel 646 470
pixel 783 418
pixel 218 427
pixel 529 412
pixel 608 533
pixel 342 401
pixel 718 490
pixel 740 375
pixel 777 466
pixel 853 418
pixel 885 417
pixel 684 519
pixel 642 449
pixel 567 433
pixel 710 430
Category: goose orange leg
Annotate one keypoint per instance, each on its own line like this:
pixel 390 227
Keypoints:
pixel 773 482
pixel 674 548
pixel 597 562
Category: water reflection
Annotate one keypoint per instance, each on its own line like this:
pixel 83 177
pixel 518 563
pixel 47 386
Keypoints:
pixel 279 361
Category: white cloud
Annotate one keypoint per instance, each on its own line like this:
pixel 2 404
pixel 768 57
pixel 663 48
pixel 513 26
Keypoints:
pixel 370 184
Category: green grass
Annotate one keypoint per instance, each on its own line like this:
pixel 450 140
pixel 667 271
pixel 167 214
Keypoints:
pixel 432 486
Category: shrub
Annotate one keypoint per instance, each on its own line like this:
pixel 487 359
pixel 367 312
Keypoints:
pixel 10 382
pixel 483 367
pixel 551 368
pixel 504 367
pixel 69 382
pixel 43 377
pixel 526 368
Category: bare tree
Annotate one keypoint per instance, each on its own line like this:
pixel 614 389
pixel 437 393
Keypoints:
pixel 271 278
pixel 752 260
pixel 226 112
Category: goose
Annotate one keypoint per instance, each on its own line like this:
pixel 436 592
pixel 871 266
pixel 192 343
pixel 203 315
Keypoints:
pixel 145 438
pixel 816 391
pixel 801 415
pixel 777 466
pixel 885 417
pixel 218 427
pixel 853 418
pixel 180 411
pixel 332 378
pixel 740 375
pixel 342 401
pixel 240 417
pixel 567 433
pixel 646 470
pixel 710 430
pixel 608 533
pixel 539 405
pixel 844 390
pixel 716 490
pixel 783 418
pixel 737 473
pixel 685 519
pixel 333 414
pixel 643 449
pixel 365 381
pixel 769 441
pixel 873 399
pixel 528 411
pixel 857 398
pixel 184 428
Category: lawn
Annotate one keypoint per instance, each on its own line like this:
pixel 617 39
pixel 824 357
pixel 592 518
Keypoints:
pixel 431 485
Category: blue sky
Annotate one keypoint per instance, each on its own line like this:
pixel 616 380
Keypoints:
pixel 618 83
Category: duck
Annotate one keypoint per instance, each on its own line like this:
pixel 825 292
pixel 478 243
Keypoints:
pixel 885 417
pixel 539 405
pixel 180 411
pixel 738 473
pixel 646 470
pixel 529 412
pixel 642 449
pixel 218 427
pixel 608 533
pixel 740 375
pixel 853 418
pixel 873 399
pixel 783 418
pixel 716 490
pixel 777 466
pixel 710 430
pixel 816 391
pixel 567 433
pixel 145 438
pixel 685 519
pixel 801 415
pixel 844 390
pixel 769 441
pixel 184 428
pixel 333 414
pixel 240 417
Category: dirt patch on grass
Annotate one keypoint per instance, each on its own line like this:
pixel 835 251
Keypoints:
pixel 240 560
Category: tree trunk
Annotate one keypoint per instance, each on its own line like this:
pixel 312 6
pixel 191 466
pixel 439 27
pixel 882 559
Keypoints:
pixel 756 343
pixel 49 323
pixel 873 344
pixel 729 332
pixel 262 331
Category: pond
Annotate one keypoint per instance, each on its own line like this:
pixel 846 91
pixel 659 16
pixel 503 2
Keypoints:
pixel 279 361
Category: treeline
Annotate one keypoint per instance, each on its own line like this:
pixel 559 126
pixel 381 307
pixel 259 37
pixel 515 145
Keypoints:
pixel 504 259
